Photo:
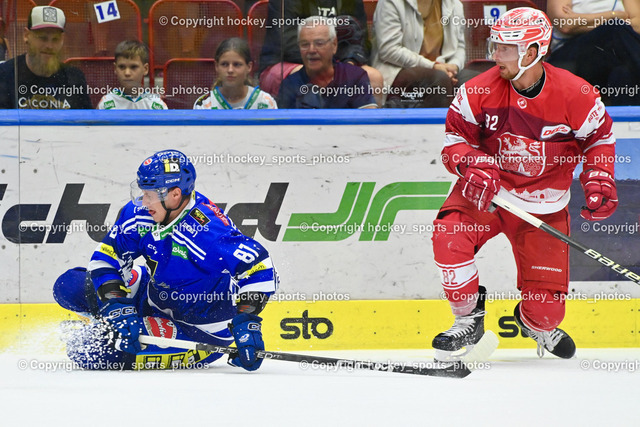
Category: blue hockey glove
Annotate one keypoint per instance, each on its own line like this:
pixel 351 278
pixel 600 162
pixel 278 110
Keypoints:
pixel 248 337
pixel 123 317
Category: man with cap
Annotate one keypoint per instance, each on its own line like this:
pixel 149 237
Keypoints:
pixel 43 81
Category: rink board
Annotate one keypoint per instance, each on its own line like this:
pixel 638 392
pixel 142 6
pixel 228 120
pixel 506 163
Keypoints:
pixel 331 325
pixel 344 202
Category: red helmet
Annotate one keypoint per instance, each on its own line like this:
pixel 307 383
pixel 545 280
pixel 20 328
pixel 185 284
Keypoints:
pixel 523 27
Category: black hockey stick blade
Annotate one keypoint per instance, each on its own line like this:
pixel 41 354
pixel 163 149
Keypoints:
pixel 591 253
pixel 433 369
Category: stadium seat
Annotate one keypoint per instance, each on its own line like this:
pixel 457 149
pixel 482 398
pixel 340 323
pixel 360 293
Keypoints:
pixel 256 33
pixel 186 79
pixel 369 9
pixel 477 30
pixel 100 75
pixel 170 36
pixel 540 4
pixel 85 37
pixel 16 17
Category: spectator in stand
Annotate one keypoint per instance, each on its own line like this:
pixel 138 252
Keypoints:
pixel 323 82
pixel 232 89
pixel 419 48
pixel 599 40
pixel 280 54
pixel 131 65
pixel 43 81
pixel 5 52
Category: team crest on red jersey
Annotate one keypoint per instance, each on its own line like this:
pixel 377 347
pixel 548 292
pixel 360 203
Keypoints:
pixel 522 103
pixel 521 155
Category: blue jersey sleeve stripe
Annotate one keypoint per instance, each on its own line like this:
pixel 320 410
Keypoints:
pixel 189 245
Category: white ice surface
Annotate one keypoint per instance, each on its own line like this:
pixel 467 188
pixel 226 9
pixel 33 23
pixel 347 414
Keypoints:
pixel 517 389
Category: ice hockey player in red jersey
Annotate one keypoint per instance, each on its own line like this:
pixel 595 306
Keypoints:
pixel 519 130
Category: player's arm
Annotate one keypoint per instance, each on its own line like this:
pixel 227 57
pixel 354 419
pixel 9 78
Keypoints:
pixel 114 254
pixel 117 250
pixel 257 279
pixel 254 273
pixel 462 157
pixel 598 144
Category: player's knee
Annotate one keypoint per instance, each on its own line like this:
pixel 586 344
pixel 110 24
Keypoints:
pixel 69 290
pixel 542 309
pixel 449 242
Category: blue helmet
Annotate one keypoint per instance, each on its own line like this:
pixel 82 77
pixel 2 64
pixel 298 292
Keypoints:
pixel 167 169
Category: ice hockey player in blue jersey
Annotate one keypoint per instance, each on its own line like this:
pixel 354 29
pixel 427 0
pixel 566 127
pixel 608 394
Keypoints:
pixel 203 280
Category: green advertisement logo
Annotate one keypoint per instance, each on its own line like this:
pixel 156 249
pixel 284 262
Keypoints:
pixel 361 211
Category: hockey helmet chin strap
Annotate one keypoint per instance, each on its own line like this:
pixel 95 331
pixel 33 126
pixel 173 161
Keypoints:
pixel 168 211
pixel 521 53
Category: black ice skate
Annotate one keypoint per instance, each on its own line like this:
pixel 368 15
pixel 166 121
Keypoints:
pixel 556 342
pixel 465 332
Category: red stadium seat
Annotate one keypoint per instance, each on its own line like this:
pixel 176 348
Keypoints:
pixel 369 10
pixel 540 4
pixel 186 79
pixel 85 37
pixel 256 33
pixel 170 36
pixel 475 31
pixel 100 75
pixel 16 17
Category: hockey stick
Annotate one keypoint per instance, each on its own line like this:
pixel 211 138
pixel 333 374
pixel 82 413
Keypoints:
pixel 591 253
pixel 480 353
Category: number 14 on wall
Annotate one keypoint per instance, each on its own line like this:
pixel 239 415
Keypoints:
pixel 107 11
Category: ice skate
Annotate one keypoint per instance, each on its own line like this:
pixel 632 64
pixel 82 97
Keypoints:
pixel 463 335
pixel 556 342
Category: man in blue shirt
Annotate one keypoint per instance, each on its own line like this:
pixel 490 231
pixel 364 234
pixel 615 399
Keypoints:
pixel 203 280
pixel 322 82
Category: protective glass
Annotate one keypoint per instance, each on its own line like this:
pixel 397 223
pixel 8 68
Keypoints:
pixel 502 52
pixel 149 196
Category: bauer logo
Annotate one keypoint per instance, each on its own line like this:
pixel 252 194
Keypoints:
pixel 319 327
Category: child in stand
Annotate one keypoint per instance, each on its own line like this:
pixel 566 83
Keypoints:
pixel 232 89
pixel 131 65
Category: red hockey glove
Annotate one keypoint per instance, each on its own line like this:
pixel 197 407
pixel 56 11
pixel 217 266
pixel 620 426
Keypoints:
pixel 600 192
pixel 481 181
